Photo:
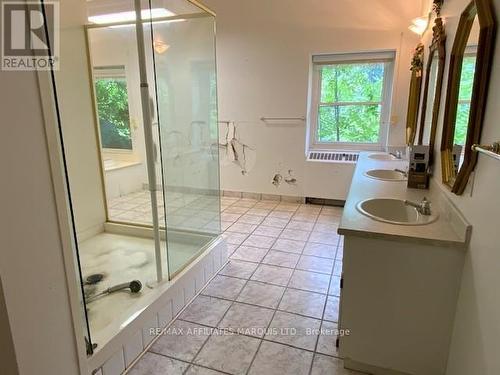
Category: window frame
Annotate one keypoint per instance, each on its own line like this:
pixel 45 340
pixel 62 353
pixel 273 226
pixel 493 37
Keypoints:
pixel 112 71
pixel 317 62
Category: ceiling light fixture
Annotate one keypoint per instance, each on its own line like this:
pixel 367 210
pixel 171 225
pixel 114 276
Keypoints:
pixel 146 14
pixel 160 46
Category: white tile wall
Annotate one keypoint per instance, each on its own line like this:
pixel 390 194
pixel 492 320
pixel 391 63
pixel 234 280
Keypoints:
pixel 114 365
pixel 165 314
pixel 189 289
pixel 133 348
pixel 178 301
pixel 182 292
pixel 199 275
pixel 152 323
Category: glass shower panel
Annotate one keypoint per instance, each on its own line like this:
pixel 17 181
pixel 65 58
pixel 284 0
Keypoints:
pixel 185 70
pixel 115 77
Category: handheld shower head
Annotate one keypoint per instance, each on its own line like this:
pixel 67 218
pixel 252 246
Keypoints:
pixel 135 286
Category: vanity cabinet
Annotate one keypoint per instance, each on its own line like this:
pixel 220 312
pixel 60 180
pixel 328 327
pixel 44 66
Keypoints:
pixel 400 282
pixel 398 301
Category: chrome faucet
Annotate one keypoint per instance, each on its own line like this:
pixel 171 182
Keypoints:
pixel 397 155
pixel 424 207
pixel 404 173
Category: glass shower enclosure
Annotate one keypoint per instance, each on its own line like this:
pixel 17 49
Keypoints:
pixel 139 131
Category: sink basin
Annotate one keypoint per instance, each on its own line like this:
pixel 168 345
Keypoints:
pixel 382 157
pixel 385 175
pixel 393 211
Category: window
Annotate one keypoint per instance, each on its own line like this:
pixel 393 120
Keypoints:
pixel 112 107
pixel 464 97
pixel 349 104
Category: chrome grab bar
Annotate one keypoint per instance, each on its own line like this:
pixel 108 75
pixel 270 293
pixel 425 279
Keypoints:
pixel 492 151
pixel 283 119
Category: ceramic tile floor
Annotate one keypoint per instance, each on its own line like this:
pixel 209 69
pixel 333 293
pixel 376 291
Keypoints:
pixel 184 210
pixel 273 309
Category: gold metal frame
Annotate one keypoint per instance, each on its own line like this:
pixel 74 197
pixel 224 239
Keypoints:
pixel 96 123
pixel 203 7
pixel 437 50
pixel 164 228
pixel 487 25
pixel 417 64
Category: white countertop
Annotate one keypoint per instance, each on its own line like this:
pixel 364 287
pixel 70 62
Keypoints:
pixel 450 229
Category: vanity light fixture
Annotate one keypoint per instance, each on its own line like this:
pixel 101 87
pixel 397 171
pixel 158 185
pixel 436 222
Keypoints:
pixel 419 25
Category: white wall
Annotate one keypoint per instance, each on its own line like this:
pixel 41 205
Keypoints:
pixel 474 346
pixel 78 128
pixel 31 260
pixel 263 53
pixel 111 47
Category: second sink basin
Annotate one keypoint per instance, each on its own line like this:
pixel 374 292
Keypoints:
pixel 386 175
pixel 382 156
pixel 393 211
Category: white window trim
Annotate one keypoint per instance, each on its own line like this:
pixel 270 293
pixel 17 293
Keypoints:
pixel 113 71
pixel 314 91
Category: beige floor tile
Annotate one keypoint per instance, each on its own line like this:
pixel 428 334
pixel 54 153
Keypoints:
pixel 304 303
pixel 247 319
pixel 281 258
pixel 332 309
pixel 315 264
pixel 276 359
pixel 181 340
pixel 249 253
pixel 261 294
pixel 241 269
pixel 290 246
pixel 311 281
pixel 206 310
pixel 224 287
pixel 295 330
pixel 152 363
pixel 228 353
pixel 272 274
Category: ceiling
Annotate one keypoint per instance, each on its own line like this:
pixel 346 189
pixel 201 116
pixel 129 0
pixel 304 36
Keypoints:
pixel 344 14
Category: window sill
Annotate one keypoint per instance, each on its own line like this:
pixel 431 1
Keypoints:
pixel 113 165
pixel 343 148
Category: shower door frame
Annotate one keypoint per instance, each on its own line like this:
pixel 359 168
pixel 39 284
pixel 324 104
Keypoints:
pixel 65 220
pixel 162 228
pixel 62 199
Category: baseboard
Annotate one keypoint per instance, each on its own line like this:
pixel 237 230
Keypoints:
pixel 87 233
pixel 369 369
pixel 326 202
pixel 263 196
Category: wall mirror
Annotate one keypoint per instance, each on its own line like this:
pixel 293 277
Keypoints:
pixel 470 66
pixel 432 88
pixel 417 65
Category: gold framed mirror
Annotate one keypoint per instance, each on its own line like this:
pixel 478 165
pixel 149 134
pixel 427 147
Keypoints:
pixel 417 64
pixel 433 81
pixel 468 79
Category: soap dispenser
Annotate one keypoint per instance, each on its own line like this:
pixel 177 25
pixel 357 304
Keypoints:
pixel 418 171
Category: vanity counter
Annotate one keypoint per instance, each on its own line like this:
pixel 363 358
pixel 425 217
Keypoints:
pixel 450 229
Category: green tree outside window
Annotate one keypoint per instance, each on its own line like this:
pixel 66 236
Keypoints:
pixel 351 102
pixel 113 112
pixel 464 98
